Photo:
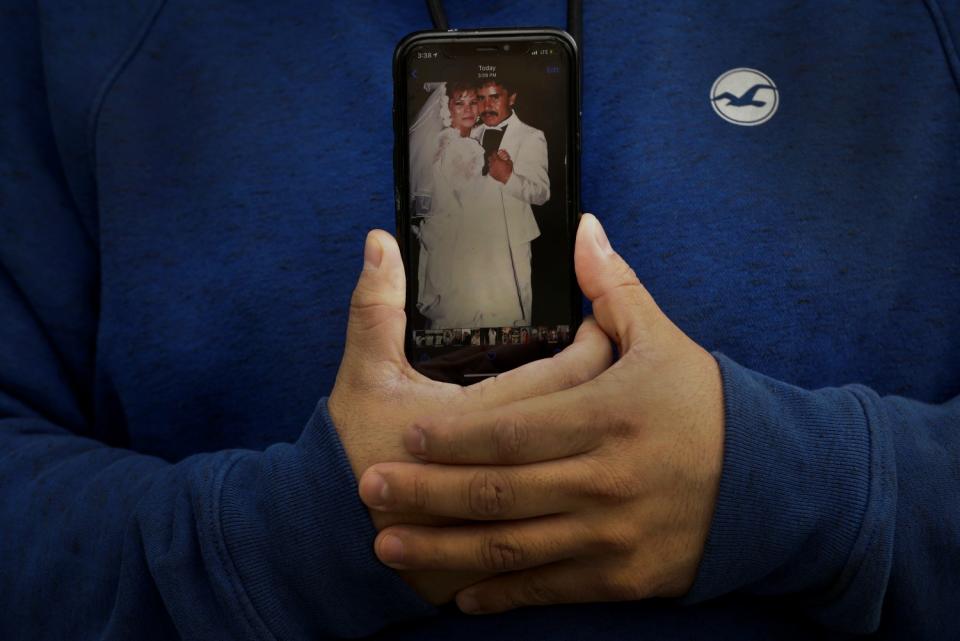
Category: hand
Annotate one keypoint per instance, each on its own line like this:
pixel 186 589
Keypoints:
pixel 378 393
pixel 601 492
pixel 500 167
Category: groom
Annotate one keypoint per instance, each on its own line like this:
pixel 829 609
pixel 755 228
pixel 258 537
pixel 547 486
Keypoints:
pixel 516 168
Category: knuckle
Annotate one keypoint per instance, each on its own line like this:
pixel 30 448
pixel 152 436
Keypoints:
pixel 510 436
pixel 572 374
pixel 590 357
pixel 618 423
pixel 585 433
pixel 419 497
pixel 576 376
pixel 601 353
pixel 441 442
pixel 478 392
pixel 364 297
pixel 619 586
pixel 626 276
pixel 614 541
pixel 489 494
pixel 368 315
pixel 535 591
pixel 605 486
pixel 500 553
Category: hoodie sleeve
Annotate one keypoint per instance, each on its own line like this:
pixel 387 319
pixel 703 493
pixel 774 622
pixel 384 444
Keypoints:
pixel 845 502
pixel 116 544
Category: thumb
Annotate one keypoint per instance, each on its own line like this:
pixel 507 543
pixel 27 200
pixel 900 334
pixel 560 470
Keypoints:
pixel 621 304
pixel 377 319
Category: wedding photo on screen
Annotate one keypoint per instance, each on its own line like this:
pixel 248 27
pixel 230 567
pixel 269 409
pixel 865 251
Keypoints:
pixel 487 156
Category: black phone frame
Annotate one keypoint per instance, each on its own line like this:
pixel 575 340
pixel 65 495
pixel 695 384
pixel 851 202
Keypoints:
pixel 498 36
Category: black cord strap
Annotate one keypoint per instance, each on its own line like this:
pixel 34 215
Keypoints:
pixel 575 21
pixel 438 15
pixel 574 18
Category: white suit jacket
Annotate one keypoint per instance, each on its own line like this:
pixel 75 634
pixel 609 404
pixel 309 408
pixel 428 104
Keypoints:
pixel 529 183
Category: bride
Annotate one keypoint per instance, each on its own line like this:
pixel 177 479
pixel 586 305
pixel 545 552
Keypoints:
pixel 466 277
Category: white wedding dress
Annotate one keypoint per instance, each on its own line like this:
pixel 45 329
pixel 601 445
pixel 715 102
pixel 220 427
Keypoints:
pixel 466 275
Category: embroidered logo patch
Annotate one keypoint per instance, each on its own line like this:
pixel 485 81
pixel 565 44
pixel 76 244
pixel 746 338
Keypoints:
pixel 745 97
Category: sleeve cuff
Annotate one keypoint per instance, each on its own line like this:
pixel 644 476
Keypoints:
pixel 798 500
pixel 514 186
pixel 300 541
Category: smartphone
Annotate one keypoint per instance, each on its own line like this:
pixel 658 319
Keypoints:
pixel 487 175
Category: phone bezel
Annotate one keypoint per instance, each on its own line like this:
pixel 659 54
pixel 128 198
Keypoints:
pixel 401 153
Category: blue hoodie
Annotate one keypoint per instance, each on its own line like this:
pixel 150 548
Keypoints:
pixel 184 191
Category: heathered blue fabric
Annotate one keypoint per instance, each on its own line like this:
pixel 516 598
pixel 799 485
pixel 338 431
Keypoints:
pixel 184 191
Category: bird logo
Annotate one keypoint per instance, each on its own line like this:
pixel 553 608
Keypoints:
pixel 744 97
pixel 747 98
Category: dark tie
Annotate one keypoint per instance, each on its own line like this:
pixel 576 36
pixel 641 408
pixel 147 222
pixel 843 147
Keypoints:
pixel 491 144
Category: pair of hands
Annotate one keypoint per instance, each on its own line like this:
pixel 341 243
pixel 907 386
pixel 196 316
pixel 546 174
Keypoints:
pixel 567 480
pixel 500 166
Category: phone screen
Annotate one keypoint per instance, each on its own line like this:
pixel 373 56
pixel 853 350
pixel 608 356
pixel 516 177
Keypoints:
pixel 490 204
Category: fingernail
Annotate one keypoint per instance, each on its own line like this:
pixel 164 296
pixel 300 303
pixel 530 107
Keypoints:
pixel 372 253
pixel 378 490
pixel 600 237
pixel 415 441
pixel 468 603
pixel 391 549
